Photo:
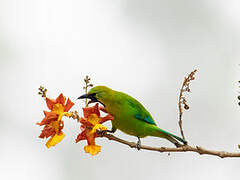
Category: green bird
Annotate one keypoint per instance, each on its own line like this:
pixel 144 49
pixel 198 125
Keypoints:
pixel 130 116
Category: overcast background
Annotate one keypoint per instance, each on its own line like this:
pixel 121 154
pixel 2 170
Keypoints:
pixel 141 47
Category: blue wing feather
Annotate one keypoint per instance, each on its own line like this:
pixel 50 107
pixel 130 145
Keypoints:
pixel 147 119
pixel 138 110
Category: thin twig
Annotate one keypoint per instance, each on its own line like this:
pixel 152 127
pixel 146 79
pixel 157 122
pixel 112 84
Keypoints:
pixel 182 100
pixel 180 113
pixel 87 85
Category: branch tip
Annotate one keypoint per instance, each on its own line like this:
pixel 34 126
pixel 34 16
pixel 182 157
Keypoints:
pixel 182 99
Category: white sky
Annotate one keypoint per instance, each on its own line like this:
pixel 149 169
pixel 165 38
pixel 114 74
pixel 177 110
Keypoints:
pixel 143 48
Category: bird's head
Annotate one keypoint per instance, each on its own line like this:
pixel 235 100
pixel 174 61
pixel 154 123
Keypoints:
pixel 101 94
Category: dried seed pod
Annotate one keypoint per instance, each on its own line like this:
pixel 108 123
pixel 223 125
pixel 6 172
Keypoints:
pixel 186 107
pixel 238 97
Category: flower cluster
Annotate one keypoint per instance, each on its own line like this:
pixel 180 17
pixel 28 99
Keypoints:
pixel 90 124
pixel 52 121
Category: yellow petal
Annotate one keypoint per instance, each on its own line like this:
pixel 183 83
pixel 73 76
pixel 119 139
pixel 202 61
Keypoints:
pixel 58 108
pixel 92 149
pixel 93 119
pixel 98 127
pixel 60 117
pixel 68 114
pixel 55 139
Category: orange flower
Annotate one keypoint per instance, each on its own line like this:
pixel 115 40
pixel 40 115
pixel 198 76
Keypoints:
pixel 52 121
pixel 92 122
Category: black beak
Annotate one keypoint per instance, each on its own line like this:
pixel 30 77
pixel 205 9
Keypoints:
pixel 92 97
pixel 83 96
pixel 89 96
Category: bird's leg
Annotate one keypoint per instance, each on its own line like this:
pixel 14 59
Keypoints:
pixel 178 144
pixel 113 130
pixel 102 132
pixel 138 145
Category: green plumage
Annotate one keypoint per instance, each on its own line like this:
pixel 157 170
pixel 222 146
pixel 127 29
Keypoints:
pixel 130 116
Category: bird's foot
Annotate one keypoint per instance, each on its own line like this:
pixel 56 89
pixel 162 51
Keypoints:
pixel 138 145
pixel 180 145
pixel 103 132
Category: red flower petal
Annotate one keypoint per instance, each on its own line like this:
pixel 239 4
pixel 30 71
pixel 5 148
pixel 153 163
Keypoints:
pixel 85 122
pixel 47 132
pixel 82 128
pixel 49 116
pixel 91 138
pixel 91 110
pixel 68 106
pixel 50 103
pixel 106 118
pixel 60 99
pixel 101 108
pixel 81 136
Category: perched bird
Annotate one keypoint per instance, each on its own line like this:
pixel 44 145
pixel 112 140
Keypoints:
pixel 130 116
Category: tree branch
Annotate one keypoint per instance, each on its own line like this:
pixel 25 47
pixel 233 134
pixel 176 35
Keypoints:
pixel 185 148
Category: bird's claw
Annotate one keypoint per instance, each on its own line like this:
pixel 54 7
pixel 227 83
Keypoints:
pixel 102 132
pixel 138 145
